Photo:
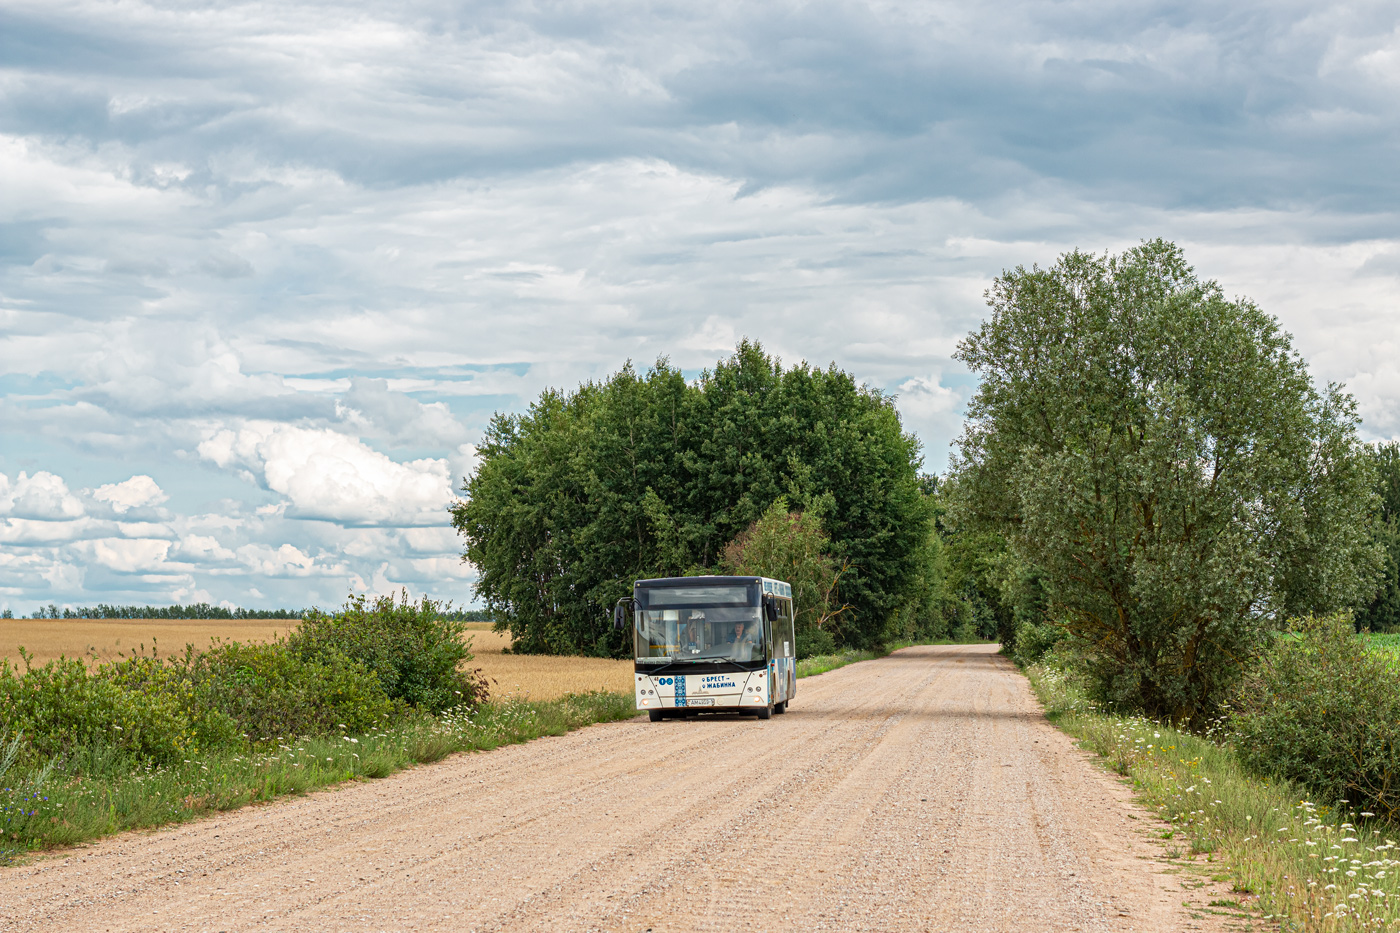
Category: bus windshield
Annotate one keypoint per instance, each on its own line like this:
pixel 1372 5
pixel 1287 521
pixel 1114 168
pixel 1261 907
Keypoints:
pixel 699 623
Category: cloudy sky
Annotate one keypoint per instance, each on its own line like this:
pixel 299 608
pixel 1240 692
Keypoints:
pixel 266 270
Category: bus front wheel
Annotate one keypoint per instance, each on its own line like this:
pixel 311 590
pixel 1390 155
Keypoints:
pixel 656 715
pixel 780 708
pixel 766 713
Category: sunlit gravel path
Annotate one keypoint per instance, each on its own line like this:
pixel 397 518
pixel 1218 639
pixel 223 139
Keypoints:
pixel 923 791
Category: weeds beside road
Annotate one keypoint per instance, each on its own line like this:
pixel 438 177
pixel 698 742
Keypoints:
pixel 1312 867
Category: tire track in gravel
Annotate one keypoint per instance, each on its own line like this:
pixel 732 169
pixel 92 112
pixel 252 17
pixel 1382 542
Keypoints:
pixel 923 791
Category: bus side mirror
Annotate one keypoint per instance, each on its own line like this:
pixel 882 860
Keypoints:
pixel 619 618
pixel 770 608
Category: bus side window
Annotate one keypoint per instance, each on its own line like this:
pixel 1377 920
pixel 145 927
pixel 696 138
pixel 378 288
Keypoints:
pixel 785 642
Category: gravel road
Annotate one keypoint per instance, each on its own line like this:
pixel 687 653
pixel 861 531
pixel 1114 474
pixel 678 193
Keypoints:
pixel 923 791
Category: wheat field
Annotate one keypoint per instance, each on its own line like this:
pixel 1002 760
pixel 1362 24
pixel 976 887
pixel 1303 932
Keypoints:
pixel 538 677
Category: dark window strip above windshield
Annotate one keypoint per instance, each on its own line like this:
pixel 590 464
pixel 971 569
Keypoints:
pixel 675 597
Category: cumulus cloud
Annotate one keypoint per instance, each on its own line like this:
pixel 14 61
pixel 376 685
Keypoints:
pixel 326 475
pixel 129 494
pixel 126 555
pixel 284 561
pixel 43 496
pixel 371 406
pixel 929 407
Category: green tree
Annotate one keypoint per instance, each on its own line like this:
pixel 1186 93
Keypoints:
pixel 1158 455
pixel 652 475
pixel 792 546
pixel 1382 613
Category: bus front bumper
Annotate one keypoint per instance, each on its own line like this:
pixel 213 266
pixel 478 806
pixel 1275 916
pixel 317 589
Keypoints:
pixel 702 692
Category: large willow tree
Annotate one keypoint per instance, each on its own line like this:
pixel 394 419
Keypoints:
pixel 652 475
pixel 1159 457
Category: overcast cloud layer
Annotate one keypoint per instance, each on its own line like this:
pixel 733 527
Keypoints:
pixel 266 270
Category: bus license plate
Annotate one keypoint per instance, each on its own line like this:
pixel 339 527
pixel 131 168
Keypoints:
pixel 701 701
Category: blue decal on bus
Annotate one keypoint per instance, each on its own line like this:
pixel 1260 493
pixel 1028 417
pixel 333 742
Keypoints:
pixel 680 691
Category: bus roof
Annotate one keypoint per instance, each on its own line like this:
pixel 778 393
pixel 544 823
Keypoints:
pixel 774 587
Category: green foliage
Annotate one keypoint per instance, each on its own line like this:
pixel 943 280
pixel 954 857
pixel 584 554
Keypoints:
pixel 350 670
pixel 816 642
pixel 646 476
pixel 1034 640
pixel 60 708
pixel 792 546
pixel 1382 613
pixel 417 654
pixel 974 605
pixel 1158 458
pixel 151 679
pixel 272 692
pixel 1323 708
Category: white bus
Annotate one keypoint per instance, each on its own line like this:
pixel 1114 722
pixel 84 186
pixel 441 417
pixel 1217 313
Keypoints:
pixel 712 644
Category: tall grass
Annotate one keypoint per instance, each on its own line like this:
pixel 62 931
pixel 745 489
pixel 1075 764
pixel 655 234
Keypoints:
pixel 1312 866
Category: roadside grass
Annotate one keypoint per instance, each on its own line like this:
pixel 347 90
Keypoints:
pixel 98 795
pixel 821 663
pixel 1312 867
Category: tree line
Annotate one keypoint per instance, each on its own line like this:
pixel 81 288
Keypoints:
pixel 207 611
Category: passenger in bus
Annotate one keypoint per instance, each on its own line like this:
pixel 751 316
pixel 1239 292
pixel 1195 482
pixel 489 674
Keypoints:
pixel 744 643
pixel 691 639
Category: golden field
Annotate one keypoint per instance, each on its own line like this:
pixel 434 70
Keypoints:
pixel 539 677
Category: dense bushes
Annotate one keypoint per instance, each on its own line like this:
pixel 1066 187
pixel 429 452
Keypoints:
pixel 270 691
pixel 416 653
pixel 1323 708
pixel 346 672
pixel 1034 640
pixel 60 707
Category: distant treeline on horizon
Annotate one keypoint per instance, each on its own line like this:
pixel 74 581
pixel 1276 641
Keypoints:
pixel 206 611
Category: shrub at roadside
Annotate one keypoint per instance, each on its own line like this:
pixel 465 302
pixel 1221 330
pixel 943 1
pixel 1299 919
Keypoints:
pixel 351 671
pixel 272 692
pixel 416 653
pixel 60 708
pixel 1322 708
pixel 1034 640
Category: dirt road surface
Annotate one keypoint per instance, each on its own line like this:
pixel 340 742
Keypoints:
pixel 923 791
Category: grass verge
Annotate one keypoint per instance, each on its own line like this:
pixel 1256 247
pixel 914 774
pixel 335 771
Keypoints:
pixel 1312 867
pixel 821 663
pixel 95 798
